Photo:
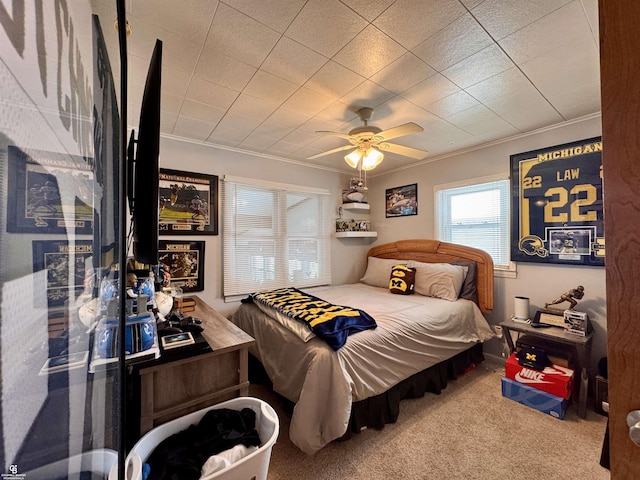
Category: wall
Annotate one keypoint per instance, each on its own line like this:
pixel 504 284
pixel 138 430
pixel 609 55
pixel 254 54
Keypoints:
pixel 541 283
pixel 208 159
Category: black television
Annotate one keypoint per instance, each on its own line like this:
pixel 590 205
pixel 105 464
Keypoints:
pixel 143 168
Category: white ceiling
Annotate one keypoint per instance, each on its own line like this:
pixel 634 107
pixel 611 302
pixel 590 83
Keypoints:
pixel 265 75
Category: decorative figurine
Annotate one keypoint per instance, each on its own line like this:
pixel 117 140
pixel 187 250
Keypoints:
pixel 569 296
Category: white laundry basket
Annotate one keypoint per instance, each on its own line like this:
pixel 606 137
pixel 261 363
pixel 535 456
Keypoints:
pixel 254 466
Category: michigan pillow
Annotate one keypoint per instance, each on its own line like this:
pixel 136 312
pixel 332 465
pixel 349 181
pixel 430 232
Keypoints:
pixel 402 280
pixel 439 280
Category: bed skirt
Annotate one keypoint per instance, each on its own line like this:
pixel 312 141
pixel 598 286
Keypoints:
pixel 375 412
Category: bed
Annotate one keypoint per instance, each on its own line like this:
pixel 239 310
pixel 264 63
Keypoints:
pixel 420 340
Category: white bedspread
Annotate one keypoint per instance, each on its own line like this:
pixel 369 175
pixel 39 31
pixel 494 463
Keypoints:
pixel 414 332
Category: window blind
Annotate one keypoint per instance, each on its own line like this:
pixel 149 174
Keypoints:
pixel 275 235
pixel 476 215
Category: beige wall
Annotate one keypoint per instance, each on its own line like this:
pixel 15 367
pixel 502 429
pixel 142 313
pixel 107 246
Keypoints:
pixel 541 283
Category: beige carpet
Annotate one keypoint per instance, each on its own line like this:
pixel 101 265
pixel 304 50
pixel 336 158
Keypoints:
pixel 468 432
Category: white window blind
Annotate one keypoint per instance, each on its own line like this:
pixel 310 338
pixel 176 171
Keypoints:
pixel 275 235
pixel 476 214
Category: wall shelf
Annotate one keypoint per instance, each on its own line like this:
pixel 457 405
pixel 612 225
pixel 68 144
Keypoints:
pixel 355 206
pixel 356 234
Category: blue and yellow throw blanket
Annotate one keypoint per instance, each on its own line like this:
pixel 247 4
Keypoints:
pixel 332 323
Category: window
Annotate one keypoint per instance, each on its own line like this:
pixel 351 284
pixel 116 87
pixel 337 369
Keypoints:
pixel 476 214
pixel 275 235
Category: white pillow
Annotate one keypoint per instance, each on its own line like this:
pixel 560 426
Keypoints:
pixel 379 271
pixel 440 280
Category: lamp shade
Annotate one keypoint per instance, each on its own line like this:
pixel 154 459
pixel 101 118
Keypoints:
pixel 353 158
pixel 372 159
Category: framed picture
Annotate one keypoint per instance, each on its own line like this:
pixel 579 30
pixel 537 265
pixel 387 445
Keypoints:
pixel 188 203
pixel 49 192
pixel 402 201
pixel 557 205
pixel 64 362
pixel 68 265
pixel 185 263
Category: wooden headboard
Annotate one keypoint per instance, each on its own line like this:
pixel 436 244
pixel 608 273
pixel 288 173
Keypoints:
pixel 434 251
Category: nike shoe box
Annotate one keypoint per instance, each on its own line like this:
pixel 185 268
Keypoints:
pixel 534 398
pixel 556 380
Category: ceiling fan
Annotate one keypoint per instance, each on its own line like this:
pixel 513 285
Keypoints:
pixel 370 142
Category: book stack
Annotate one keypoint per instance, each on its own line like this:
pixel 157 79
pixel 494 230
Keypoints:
pixel 188 304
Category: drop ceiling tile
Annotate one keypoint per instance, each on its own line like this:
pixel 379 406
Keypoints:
pixel 325 26
pixel 455 42
pixel 287 118
pixel 480 66
pixel 337 113
pixel 257 142
pixel 315 124
pixel 211 93
pixel 307 62
pixel 219 68
pixel 257 39
pixel 282 148
pixel 591 10
pixel 413 71
pixel 239 122
pixel 504 17
pixel 504 83
pixel 268 86
pixel 225 135
pixel 167 121
pixel 369 52
pixel 307 101
pixel 581 101
pixel 192 22
pixel 191 128
pixel 270 128
pixel 275 14
pixel 171 103
pixel 299 138
pixel 174 82
pixel 471 3
pixel 369 9
pixel 367 94
pixel 334 80
pixel 431 90
pixel 410 22
pixel 452 104
pixel 480 121
pixel 565 25
pixel 526 110
pixel 253 106
pixel 201 111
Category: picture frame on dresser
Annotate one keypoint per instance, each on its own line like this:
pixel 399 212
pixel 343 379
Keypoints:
pixel 188 203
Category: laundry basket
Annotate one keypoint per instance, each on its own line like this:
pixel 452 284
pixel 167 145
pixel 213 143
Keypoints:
pixel 254 466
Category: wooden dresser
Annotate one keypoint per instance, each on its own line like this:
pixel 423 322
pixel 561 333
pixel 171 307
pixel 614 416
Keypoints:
pixel 186 379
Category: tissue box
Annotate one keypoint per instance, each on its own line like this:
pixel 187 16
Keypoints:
pixel 556 380
pixel 532 397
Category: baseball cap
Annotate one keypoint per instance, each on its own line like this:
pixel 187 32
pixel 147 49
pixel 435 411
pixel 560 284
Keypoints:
pixel 533 358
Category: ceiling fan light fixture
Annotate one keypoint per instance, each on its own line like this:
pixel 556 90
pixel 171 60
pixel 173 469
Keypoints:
pixel 371 159
pixel 353 158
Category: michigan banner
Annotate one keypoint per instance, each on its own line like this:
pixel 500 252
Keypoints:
pixel 557 204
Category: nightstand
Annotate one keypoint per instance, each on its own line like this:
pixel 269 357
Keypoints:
pixel 579 346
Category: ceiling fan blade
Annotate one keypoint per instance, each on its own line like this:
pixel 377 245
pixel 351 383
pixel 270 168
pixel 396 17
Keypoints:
pixel 399 131
pixel 335 134
pixel 402 150
pixel 328 152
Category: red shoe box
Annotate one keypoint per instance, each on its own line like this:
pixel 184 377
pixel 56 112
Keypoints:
pixel 555 380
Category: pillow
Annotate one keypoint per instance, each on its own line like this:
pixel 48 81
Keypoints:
pixel 440 280
pixel 378 270
pixel 402 280
pixel 469 290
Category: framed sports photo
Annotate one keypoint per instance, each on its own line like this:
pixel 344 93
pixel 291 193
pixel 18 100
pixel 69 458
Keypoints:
pixel 402 201
pixel 557 205
pixel 184 260
pixel 68 265
pixel 188 203
pixel 49 192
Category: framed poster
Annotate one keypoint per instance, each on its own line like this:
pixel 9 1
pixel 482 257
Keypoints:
pixel 557 205
pixel 49 192
pixel 188 203
pixel 185 263
pixel 68 265
pixel 402 201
